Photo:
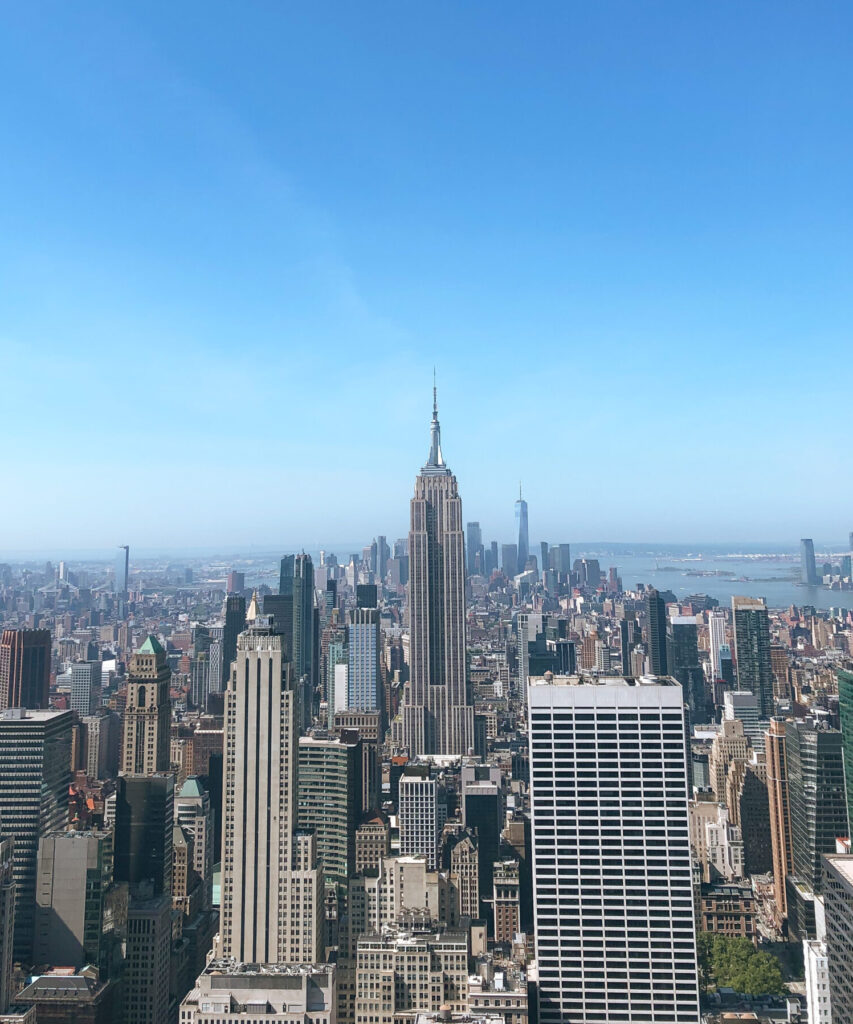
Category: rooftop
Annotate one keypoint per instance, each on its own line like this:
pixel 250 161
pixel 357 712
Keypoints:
pixel 230 966
pixel 550 679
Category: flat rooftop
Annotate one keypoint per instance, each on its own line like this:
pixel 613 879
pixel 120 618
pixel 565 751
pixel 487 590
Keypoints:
pixel 550 679
pixel 236 968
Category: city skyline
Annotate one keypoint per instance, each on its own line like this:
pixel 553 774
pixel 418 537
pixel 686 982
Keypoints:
pixel 600 229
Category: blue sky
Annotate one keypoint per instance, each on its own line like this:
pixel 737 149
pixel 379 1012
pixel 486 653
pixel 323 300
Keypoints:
pixel 236 237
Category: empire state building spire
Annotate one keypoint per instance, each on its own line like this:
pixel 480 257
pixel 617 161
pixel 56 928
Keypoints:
pixel 435 462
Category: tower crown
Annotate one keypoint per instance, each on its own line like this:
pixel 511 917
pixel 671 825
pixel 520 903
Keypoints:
pixel 435 465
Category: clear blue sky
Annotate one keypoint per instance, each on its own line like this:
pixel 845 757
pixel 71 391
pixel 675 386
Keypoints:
pixel 235 238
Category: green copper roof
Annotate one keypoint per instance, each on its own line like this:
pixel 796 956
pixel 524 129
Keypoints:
pixel 151 646
pixel 192 787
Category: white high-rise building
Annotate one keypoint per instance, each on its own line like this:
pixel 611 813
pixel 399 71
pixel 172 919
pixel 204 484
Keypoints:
pixel 85 687
pixel 716 639
pixel 419 824
pixel 817 982
pixel 271 889
pixel 613 895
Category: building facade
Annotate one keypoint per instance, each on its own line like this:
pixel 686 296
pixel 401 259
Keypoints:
pixel 613 899
pixel 438 717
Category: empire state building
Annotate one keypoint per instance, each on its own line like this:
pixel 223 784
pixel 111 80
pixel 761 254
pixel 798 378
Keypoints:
pixel 438 717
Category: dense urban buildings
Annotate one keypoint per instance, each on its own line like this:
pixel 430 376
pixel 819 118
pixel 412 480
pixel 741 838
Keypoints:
pixel 419 778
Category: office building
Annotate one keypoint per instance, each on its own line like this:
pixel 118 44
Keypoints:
pixel 716 639
pixel 474 550
pixel 752 651
pixel 613 899
pixel 509 560
pixel 235 583
pixel 24 668
pixel 228 992
pixel 103 743
pixel 271 906
pixel 780 812
pixel 730 744
pixel 7 919
pixel 419 815
pixel 364 654
pixel 194 814
pixel 438 717
pixel 329 800
pixel 144 820
pixel 742 706
pixel 80 913
pixel 35 772
pixel 85 687
pixel 816 795
pixel 845 710
pixel 147 963
pixel 683 663
pixel 656 633
pixel 838 911
pixel 411 969
pixel 521 531
pixel 235 623
pixel 122 571
pixel 148 713
pixel 808 570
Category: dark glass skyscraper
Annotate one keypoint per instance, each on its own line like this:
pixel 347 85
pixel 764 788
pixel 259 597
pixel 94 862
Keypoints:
pixel 808 569
pixel 752 651
pixel 683 662
pixel 656 629
pixel 845 707
pixel 235 623
pixel 816 795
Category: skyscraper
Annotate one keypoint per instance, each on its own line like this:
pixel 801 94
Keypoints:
pixel 808 570
pixel 716 639
pixel 24 668
pixel 85 687
pixel 35 770
pixel 683 662
pixel 122 571
pixel 148 713
pixel 845 710
pixel 271 904
pixel 656 629
pixel 474 550
pixel 780 812
pixel 521 530
pixel 7 919
pixel 752 651
pixel 438 717
pixel 817 797
pixel 509 559
pixel 613 904
pixel 235 623
pixel 365 653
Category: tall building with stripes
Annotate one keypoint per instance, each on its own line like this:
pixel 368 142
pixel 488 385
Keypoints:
pixel 438 717
pixel 272 907
pixel 613 903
